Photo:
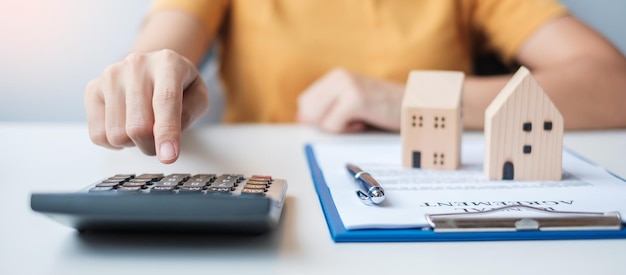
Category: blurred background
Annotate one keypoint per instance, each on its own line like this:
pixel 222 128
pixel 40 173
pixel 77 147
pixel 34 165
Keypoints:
pixel 51 49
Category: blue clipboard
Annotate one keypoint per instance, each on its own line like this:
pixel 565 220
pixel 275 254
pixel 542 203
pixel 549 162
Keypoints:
pixel 339 233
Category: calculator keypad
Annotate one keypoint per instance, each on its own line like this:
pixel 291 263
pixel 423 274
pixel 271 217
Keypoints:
pixel 204 184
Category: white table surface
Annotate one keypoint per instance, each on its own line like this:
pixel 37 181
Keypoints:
pixel 44 157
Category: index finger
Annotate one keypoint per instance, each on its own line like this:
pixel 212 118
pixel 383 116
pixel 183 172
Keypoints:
pixel 167 101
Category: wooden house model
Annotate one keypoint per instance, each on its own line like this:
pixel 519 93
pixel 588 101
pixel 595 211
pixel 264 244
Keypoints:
pixel 431 123
pixel 523 133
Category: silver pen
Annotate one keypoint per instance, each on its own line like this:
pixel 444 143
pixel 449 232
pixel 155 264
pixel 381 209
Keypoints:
pixel 368 189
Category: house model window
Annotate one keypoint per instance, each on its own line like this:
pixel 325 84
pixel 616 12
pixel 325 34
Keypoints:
pixel 527 127
pixel 547 125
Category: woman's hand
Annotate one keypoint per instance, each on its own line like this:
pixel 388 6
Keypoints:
pixel 342 101
pixel 146 100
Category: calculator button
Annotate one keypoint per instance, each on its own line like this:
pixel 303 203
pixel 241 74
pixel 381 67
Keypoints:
pixel 207 177
pixel 141 180
pixel 168 182
pixel 128 176
pixel 162 189
pixel 107 184
pixel 113 180
pixel 236 177
pixel 129 189
pixel 264 182
pixel 259 177
pixel 153 177
pixel 134 184
pixel 101 189
pixel 194 184
pixel 253 191
pixel 181 177
pixel 190 189
pixel 219 189
pixel 225 181
pixel 255 186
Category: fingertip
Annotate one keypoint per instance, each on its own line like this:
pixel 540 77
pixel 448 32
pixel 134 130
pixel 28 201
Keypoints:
pixel 168 152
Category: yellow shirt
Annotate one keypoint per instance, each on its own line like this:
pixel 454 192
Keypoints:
pixel 271 50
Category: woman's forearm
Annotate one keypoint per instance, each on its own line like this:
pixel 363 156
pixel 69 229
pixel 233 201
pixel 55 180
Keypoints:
pixel 174 30
pixel 589 93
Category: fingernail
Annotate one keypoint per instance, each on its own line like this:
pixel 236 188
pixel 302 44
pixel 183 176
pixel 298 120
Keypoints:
pixel 166 151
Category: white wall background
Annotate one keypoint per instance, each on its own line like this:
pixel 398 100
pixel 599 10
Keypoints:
pixel 50 49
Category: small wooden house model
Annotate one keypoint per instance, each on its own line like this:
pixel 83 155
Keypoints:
pixel 431 122
pixel 523 133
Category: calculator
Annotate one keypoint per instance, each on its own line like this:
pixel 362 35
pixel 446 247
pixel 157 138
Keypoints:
pixel 224 203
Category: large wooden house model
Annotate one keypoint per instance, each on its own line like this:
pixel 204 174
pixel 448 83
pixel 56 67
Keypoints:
pixel 431 123
pixel 523 133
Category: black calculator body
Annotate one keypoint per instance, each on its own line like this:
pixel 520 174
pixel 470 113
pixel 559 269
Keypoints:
pixel 229 203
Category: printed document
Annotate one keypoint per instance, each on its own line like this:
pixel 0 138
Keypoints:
pixel 412 193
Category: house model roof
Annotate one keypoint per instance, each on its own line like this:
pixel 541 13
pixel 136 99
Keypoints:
pixel 523 88
pixel 434 89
